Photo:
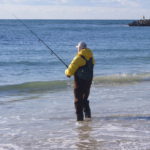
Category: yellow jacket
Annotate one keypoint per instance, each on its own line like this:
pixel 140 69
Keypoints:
pixel 78 61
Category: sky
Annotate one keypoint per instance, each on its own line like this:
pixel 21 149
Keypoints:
pixel 75 9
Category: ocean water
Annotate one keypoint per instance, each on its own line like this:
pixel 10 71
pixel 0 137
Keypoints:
pixel 36 99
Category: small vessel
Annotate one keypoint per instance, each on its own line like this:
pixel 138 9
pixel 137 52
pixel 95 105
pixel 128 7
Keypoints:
pixel 141 22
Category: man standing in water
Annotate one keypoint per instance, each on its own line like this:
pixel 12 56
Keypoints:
pixel 82 69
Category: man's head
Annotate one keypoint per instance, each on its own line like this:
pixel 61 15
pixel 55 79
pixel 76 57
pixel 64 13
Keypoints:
pixel 81 45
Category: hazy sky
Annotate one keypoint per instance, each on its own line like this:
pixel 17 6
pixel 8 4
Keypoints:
pixel 75 9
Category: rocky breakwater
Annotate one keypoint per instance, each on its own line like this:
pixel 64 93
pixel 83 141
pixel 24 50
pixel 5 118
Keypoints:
pixel 143 22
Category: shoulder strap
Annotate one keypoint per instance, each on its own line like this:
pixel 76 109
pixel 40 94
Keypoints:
pixel 83 58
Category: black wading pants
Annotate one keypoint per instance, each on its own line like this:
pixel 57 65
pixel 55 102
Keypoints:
pixel 81 93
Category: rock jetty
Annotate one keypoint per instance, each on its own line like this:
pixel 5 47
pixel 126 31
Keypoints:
pixel 142 22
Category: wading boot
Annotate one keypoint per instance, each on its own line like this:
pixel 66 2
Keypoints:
pixel 87 110
pixel 79 111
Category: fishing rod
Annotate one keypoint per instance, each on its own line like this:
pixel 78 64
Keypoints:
pixel 41 41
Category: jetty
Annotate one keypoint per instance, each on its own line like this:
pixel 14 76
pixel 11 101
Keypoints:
pixel 141 22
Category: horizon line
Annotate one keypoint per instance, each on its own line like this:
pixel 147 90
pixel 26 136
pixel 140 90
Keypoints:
pixel 61 19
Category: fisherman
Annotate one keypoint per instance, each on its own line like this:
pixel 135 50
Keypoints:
pixel 82 69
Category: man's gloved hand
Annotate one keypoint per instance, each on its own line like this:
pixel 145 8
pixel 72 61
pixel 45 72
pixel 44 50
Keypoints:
pixel 66 73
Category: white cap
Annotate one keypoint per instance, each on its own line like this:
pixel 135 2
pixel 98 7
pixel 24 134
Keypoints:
pixel 81 45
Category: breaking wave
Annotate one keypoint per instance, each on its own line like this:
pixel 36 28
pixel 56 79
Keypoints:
pixel 44 86
pixel 36 86
pixel 122 78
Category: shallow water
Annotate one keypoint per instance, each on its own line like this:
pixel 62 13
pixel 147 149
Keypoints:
pixel 121 120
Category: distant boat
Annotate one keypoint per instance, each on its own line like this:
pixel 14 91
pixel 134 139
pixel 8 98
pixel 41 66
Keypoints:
pixel 142 22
